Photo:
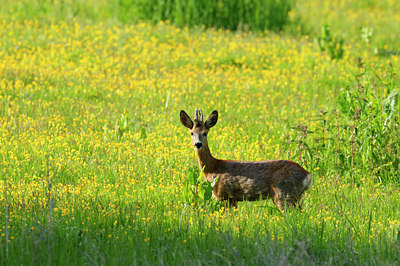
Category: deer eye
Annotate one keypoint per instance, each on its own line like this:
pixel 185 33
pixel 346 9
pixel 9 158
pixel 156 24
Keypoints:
pixel 205 134
pixel 191 133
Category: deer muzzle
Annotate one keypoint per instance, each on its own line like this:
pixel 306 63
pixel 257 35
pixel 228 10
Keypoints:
pixel 198 145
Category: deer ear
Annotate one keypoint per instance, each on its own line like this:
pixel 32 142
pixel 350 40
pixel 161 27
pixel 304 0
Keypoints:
pixel 185 119
pixel 211 120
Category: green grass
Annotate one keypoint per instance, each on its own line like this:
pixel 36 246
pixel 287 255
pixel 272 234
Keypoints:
pixel 95 161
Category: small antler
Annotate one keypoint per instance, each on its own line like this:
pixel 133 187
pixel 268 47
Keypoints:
pixel 198 116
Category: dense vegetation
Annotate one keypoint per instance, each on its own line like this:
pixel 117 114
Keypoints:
pixel 97 169
pixel 227 14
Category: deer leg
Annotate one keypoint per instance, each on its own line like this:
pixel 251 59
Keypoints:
pixel 297 203
pixel 283 203
pixel 276 195
pixel 279 203
pixel 292 201
pixel 232 203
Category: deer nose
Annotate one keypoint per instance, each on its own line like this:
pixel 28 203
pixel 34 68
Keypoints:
pixel 198 145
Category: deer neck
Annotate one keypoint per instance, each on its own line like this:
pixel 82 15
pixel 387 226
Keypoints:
pixel 206 160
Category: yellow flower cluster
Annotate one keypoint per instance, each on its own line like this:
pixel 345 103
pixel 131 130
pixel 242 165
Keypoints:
pixel 90 133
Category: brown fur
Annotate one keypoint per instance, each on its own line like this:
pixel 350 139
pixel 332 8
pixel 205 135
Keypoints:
pixel 283 181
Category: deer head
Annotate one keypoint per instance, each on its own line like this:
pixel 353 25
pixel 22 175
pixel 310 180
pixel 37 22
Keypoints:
pixel 199 129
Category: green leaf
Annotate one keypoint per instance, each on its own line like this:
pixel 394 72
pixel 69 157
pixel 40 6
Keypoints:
pixel 214 181
pixel 192 176
pixel 208 193
pixel 390 103
pixel 341 158
pixel 344 102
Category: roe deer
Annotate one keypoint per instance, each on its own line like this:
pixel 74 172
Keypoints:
pixel 283 181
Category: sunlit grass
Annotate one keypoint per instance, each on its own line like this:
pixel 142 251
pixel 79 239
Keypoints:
pixel 94 157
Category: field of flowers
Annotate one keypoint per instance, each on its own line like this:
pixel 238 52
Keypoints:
pixel 94 158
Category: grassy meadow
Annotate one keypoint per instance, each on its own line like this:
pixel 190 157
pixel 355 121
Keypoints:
pixel 94 159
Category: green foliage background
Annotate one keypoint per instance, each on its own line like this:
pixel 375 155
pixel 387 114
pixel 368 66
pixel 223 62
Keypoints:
pixel 243 14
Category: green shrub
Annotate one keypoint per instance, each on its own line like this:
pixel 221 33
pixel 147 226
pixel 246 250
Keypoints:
pixel 197 191
pixel 226 14
pixel 256 15
pixel 329 44
pixel 362 133
pixel 371 110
